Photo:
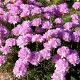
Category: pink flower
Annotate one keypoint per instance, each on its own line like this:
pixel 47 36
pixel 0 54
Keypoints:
pixel 58 21
pixel 20 68
pixel 75 17
pixel 24 53
pixel 47 15
pixel 15 30
pixel 25 30
pixel 36 38
pixel 35 10
pixel 23 40
pixel 68 25
pixel 63 8
pixel 67 36
pixel 76 5
pixel 26 23
pixel 63 51
pixel 62 67
pixel 57 76
pixel 54 42
pixel 47 25
pixel 13 19
pixel 25 13
pixel 73 58
pixel 47 46
pixel 45 54
pixel 2 59
pixel 10 42
pixel 35 58
pixel 36 22
pixel 4 32
pixel 5 49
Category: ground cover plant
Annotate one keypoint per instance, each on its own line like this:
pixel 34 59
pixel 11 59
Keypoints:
pixel 40 39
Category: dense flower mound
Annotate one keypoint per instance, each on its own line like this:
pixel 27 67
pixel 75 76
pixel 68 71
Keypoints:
pixel 36 37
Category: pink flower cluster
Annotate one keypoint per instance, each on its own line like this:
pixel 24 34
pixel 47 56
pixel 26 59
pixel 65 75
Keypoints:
pixel 26 30
pixel 62 60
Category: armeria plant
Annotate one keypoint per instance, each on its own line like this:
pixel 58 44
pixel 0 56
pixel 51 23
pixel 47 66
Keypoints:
pixel 37 32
